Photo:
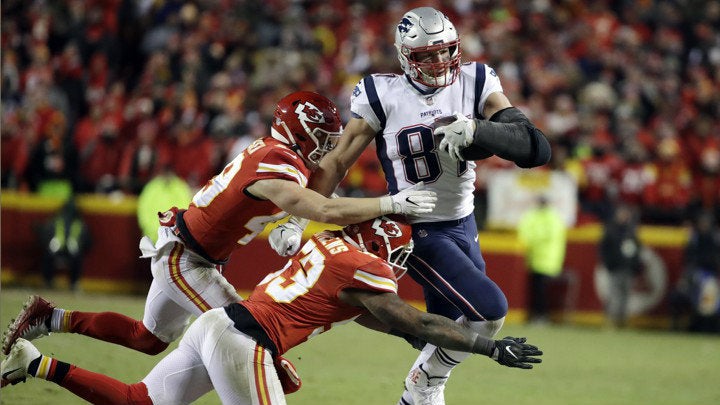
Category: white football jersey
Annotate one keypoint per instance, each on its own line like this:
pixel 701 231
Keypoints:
pixel 396 107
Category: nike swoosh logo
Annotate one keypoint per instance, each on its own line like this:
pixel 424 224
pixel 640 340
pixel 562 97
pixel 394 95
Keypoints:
pixel 507 348
pixel 410 201
pixel 6 374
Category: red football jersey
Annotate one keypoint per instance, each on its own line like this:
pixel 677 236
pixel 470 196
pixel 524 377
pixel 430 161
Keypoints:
pixel 222 215
pixel 301 300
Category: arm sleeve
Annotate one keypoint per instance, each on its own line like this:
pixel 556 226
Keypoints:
pixel 510 135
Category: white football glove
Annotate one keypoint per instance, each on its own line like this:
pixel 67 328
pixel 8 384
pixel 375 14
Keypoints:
pixel 458 135
pixel 411 201
pixel 285 239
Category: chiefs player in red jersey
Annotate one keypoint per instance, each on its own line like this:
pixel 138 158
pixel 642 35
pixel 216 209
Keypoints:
pixel 336 277
pixel 261 185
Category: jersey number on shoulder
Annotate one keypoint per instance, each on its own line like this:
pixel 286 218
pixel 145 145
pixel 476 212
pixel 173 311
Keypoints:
pixel 220 183
pixel 419 154
pixel 313 263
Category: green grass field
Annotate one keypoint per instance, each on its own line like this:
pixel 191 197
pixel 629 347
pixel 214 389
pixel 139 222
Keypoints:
pixel 351 365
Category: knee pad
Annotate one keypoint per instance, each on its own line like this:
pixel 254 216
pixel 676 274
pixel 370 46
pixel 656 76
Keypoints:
pixel 486 329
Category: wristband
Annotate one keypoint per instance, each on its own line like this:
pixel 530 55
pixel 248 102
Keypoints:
pixel 386 205
pixel 483 345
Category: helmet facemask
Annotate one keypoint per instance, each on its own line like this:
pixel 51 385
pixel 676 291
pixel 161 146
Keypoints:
pixel 434 73
pixel 325 141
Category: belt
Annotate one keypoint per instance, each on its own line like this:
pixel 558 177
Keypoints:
pixel 246 323
pixel 439 224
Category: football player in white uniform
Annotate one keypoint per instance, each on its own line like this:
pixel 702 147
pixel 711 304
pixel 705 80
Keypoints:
pixel 429 125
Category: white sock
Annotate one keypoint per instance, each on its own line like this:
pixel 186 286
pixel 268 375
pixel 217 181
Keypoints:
pixel 60 320
pixel 441 361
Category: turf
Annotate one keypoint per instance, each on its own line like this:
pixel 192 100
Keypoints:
pixel 351 365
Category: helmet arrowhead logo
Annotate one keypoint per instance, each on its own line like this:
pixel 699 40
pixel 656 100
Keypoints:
pixel 309 113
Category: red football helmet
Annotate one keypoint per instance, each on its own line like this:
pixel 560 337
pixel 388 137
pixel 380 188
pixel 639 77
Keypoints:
pixel 309 123
pixel 385 237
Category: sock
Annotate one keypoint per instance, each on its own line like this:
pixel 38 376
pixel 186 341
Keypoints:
pixel 48 368
pixel 441 361
pixel 405 399
pixel 92 387
pixel 115 328
pixel 59 321
pixel 100 389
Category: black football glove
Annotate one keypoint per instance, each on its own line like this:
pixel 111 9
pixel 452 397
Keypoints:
pixel 514 352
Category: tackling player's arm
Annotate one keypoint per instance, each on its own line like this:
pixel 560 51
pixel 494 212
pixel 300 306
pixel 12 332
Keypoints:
pixel 369 321
pixel 356 136
pixel 440 331
pixel 302 202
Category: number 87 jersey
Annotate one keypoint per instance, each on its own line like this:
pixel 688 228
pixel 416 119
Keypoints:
pixel 222 214
pixel 403 115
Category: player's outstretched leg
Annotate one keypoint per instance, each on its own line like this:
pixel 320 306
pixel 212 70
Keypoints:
pixel 39 318
pixel 25 360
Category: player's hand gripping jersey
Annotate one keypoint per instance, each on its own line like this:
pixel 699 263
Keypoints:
pixel 403 117
pixel 301 300
pixel 223 214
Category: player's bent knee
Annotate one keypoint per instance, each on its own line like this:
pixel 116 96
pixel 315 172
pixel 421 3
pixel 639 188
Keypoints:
pixel 487 329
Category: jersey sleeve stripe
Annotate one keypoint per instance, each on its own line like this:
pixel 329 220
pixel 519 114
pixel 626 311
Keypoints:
pixel 286 169
pixel 479 85
pixel 382 283
pixel 374 101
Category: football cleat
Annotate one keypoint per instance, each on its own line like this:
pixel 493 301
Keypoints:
pixel 30 323
pixel 14 367
pixel 425 390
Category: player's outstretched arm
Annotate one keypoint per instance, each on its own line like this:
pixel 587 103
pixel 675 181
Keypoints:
pixel 440 331
pixel 302 202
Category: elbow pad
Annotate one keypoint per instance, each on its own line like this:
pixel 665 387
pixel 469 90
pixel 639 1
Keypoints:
pixel 510 135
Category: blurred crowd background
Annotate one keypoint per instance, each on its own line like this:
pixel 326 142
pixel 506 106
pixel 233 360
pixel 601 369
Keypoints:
pixel 101 96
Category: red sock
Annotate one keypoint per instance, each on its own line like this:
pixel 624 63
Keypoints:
pixel 116 328
pixel 101 389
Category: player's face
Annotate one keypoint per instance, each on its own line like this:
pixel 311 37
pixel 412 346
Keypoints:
pixel 441 55
pixel 427 59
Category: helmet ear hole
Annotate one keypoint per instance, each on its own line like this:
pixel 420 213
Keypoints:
pixel 375 247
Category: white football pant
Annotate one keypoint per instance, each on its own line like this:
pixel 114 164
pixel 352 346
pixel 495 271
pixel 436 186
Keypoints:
pixel 184 284
pixel 213 354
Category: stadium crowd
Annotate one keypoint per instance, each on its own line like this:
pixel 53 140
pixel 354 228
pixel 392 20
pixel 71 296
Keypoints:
pixel 102 95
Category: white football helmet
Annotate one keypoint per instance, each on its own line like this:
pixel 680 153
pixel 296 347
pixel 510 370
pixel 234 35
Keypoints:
pixel 425 29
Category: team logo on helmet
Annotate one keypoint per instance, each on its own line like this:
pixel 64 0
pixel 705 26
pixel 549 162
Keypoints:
pixel 386 228
pixel 405 25
pixel 309 113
